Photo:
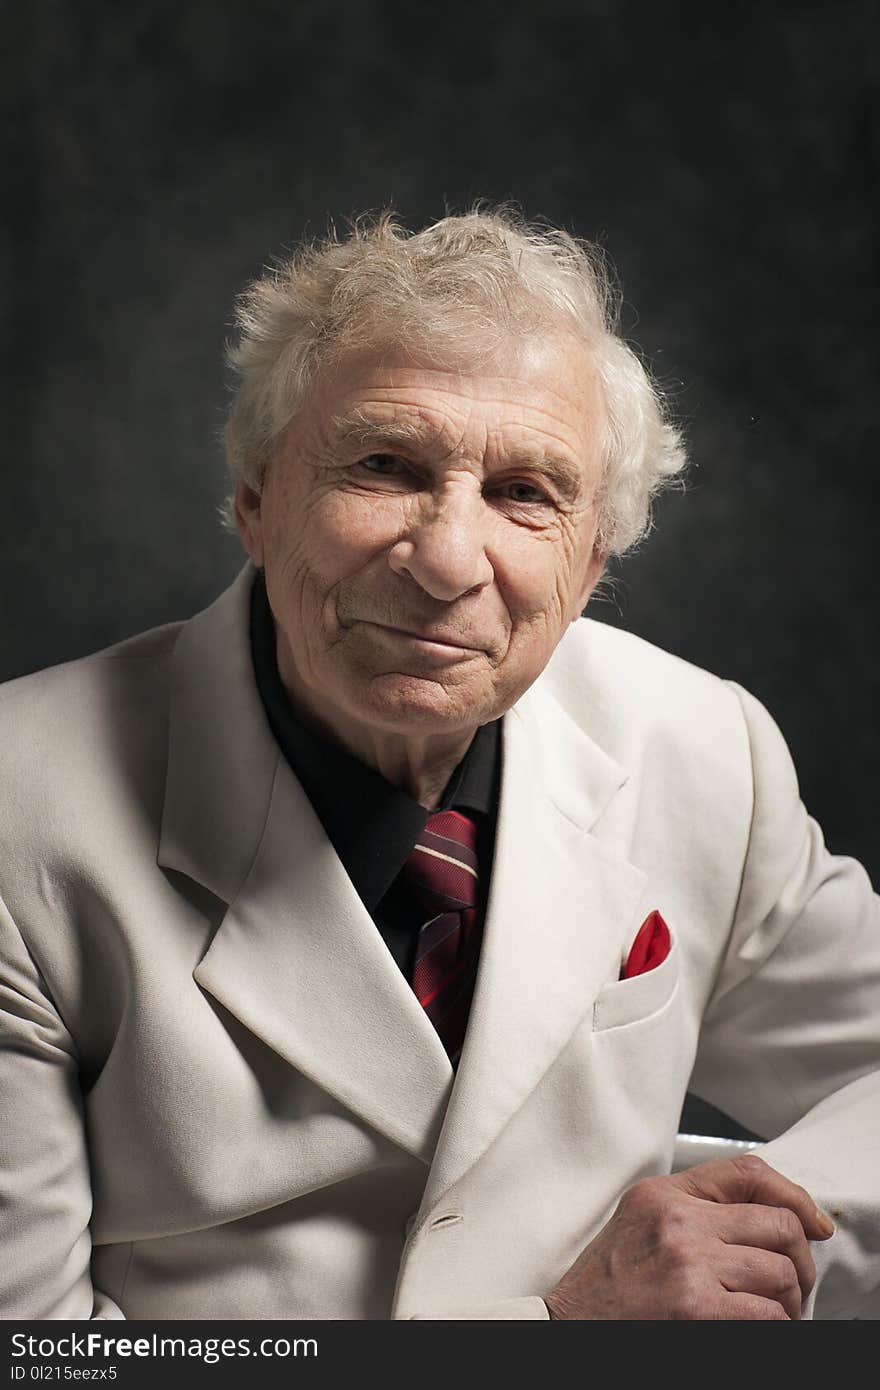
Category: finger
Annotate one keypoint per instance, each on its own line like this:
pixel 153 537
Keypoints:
pixel 765 1273
pixel 748 1178
pixel 741 1306
pixel 774 1229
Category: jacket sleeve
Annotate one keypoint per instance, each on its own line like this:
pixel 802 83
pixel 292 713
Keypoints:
pixel 790 1043
pixel 45 1195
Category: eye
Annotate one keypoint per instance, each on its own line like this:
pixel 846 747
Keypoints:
pixel 524 492
pixel 387 465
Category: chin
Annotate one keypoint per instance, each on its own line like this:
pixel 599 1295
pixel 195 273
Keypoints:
pixel 402 703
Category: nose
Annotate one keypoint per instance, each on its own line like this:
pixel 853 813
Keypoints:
pixel 444 550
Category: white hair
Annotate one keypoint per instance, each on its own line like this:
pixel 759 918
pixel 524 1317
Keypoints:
pixel 470 281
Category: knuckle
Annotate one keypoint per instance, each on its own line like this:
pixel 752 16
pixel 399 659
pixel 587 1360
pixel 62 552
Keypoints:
pixel 674 1234
pixel 750 1164
pixel 788 1227
pixel 642 1197
pixel 786 1275
pixel 656 1210
pixel 677 1249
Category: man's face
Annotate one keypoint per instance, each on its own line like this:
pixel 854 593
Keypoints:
pixel 427 534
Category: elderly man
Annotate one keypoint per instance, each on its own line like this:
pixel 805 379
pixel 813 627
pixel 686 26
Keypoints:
pixel 362 935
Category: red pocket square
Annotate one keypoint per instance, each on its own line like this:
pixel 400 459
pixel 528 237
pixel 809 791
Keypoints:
pixel 650 948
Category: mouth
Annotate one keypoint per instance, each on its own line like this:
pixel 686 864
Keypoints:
pixel 441 643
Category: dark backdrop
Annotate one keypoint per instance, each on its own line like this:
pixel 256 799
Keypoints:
pixel 725 157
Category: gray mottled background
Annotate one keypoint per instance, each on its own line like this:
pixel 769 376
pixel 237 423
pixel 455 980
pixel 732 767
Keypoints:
pixel 725 156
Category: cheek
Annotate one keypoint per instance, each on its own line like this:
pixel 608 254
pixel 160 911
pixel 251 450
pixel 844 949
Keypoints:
pixel 534 574
pixel 350 527
pixel 330 535
pixel 361 523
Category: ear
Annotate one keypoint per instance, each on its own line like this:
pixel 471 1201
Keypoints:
pixel 595 570
pixel 249 520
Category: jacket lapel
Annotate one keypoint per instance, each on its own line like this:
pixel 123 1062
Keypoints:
pixel 296 957
pixel 561 906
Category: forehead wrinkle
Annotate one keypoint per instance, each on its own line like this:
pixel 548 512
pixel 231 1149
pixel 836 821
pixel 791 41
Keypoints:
pixel 562 454
pixel 572 437
pixel 567 436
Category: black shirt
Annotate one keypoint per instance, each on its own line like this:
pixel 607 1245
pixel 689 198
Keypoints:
pixel 372 824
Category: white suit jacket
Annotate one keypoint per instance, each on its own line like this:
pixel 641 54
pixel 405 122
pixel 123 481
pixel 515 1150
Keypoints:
pixel 220 1097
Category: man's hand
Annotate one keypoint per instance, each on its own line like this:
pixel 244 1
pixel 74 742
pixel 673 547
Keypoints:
pixel 726 1239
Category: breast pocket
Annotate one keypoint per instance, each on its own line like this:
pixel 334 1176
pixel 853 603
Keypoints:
pixel 621 1003
pixel 640 1058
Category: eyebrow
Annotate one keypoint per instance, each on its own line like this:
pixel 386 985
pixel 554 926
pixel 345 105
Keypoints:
pixel 367 432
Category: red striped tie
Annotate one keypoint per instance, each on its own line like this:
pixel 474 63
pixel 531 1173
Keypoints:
pixel 442 870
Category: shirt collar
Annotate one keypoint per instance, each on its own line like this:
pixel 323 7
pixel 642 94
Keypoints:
pixel 372 824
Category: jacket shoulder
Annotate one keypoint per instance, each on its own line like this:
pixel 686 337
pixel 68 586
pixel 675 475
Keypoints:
pixel 619 687
pixel 124 672
pixel 73 735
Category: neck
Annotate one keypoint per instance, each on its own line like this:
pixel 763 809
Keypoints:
pixel 421 768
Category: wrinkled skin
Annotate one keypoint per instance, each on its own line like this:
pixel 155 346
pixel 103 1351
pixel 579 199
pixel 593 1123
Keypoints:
pixel 428 532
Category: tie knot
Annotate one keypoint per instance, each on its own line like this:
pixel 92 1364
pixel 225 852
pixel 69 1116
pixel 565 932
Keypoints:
pixel 442 865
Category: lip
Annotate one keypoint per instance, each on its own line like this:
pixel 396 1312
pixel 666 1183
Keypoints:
pixel 439 641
